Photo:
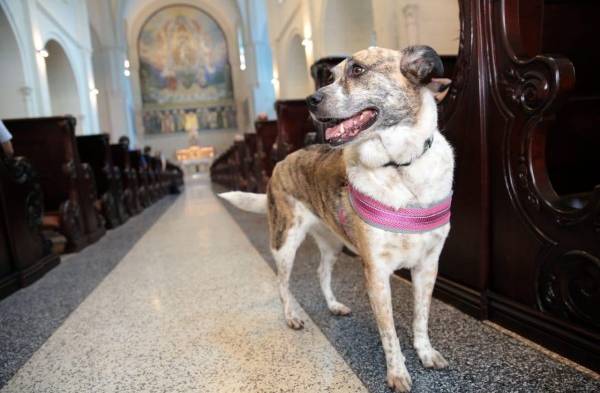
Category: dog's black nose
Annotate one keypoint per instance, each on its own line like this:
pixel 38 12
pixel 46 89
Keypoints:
pixel 314 100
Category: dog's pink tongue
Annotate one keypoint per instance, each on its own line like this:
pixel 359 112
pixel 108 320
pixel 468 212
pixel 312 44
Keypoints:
pixel 350 127
pixel 332 132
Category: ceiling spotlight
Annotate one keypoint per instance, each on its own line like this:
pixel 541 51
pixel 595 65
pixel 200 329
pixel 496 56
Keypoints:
pixel 126 63
pixel 126 73
pixel 43 52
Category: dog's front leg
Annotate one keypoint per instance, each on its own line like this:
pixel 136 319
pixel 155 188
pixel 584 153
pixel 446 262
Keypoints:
pixel 378 287
pixel 423 280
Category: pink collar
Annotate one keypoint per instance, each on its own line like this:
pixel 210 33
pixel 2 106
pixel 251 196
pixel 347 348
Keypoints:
pixel 404 220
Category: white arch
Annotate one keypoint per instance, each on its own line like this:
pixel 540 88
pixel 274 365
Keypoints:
pixel 14 81
pixel 295 76
pixel 62 82
pixel 80 64
pixel 347 26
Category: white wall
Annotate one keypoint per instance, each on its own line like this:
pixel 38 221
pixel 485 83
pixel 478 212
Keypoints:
pixel 341 27
pixel 115 100
pixel 34 23
pixel 12 79
pixel 347 26
pixel 297 83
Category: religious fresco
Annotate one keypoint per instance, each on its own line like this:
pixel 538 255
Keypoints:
pixel 185 74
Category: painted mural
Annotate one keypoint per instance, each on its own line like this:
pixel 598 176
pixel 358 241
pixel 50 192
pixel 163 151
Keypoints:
pixel 184 73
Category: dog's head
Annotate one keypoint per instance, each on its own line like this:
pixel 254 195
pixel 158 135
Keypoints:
pixel 376 89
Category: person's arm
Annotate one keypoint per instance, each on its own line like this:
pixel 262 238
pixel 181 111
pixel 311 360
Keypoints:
pixel 8 149
pixel 5 138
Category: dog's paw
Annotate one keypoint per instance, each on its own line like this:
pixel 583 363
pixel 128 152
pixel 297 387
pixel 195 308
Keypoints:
pixel 432 359
pixel 399 382
pixel 295 323
pixel 338 308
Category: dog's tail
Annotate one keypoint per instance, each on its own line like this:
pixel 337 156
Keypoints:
pixel 248 201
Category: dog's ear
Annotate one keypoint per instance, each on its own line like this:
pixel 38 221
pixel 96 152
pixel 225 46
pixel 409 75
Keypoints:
pixel 439 87
pixel 420 63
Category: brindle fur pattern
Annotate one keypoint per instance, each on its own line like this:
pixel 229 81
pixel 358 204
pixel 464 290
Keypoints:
pixel 308 188
pixel 316 177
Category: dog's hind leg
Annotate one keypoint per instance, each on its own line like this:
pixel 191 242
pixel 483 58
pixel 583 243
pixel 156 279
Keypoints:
pixel 330 248
pixel 295 232
pixel 423 279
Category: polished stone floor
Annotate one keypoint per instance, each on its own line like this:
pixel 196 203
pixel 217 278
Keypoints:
pixel 192 307
pixel 183 299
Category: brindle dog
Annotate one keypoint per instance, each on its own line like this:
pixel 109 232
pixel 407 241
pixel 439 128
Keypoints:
pixel 381 126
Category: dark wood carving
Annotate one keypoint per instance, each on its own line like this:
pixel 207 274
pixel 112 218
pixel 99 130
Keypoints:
pixel 248 162
pixel 140 167
pixel 121 159
pixel 322 76
pixel 68 185
pixel 321 70
pixel 94 150
pixel 526 197
pixel 26 253
pixel 266 132
pixel 293 124
pixel 223 169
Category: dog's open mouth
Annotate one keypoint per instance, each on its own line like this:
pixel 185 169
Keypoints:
pixel 340 131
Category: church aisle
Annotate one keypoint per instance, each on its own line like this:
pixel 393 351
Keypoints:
pixel 192 307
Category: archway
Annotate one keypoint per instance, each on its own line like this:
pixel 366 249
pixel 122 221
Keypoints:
pixel 348 26
pixel 295 76
pixel 12 78
pixel 62 85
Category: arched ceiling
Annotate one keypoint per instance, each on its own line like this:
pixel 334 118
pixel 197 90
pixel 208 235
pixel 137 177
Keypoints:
pixel 131 10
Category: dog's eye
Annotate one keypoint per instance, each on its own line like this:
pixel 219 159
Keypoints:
pixel 356 70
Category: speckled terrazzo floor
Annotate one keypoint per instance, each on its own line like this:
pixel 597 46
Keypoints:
pixel 29 316
pixel 192 307
pixel 481 358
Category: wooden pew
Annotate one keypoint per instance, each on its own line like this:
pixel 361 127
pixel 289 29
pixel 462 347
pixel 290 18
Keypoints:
pixel 139 164
pixel 121 158
pixel 249 161
pixel 25 254
pixel 522 116
pixel 322 76
pixel 220 169
pixel 153 177
pixel 236 166
pixel 67 184
pixel 94 150
pixel 162 176
pixel 266 133
pixel 177 177
pixel 293 124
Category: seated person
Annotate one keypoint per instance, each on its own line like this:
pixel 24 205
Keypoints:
pixel 143 161
pixel 5 138
pixel 124 141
